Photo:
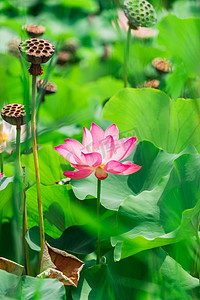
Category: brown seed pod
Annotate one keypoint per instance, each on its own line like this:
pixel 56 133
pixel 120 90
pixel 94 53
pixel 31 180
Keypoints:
pixel 46 88
pixel 14 114
pixel 162 65
pixel 36 51
pixel 34 30
pixel 70 45
pixel 63 58
pixel 151 84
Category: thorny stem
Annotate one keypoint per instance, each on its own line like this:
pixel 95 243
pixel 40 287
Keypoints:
pixel 98 220
pixel 35 156
pixel 126 56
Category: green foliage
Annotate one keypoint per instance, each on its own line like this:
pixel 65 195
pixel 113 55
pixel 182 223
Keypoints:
pixel 149 220
pixel 15 287
pixel 151 115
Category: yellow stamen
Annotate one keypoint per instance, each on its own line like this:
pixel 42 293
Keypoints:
pixel 3 137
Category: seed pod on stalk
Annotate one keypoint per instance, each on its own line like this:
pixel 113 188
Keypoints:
pixel 15 114
pixel 163 66
pixel 34 31
pixel 46 88
pixel 37 52
pixel 139 13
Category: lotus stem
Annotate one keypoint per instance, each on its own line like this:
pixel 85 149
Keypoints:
pixel 25 223
pixel 1 162
pixel 36 164
pixel 98 220
pixel 16 200
pixel 18 128
pixel 126 56
pixel 25 229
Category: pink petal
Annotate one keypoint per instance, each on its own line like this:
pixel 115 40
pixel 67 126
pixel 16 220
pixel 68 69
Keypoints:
pixel 107 148
pixel 132 168
pixel 66 154
pixel 123 148
pixel 93 159
pixel 87 139
pixel 112 130
pixel 79 167
pixel 115 167
pixel 97 135
pixel 78 174
pixel 74 146
pixel 101 173
pixel 124 168
pixel 2 174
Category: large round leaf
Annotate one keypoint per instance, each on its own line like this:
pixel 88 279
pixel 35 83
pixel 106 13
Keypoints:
pixel 150 115
pixel 164 215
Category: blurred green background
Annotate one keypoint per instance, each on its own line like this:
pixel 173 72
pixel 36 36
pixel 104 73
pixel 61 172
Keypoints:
pixel 152 216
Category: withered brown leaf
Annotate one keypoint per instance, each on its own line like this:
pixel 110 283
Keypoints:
pixel 11 266
pixel 61 265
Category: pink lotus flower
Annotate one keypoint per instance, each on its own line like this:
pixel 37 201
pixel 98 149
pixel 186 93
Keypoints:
pixel 100 152
pixel 2 174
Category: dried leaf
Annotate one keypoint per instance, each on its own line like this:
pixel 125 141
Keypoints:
pixel 11 266
pixel 61 265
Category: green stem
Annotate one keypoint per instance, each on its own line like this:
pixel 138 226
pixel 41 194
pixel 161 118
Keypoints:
pixel 36 164
pixel 198 252
pixel 16 200
pixel 1 162
pixel 98 220
pixel 18 148
pixel 25 229
pixel 126 56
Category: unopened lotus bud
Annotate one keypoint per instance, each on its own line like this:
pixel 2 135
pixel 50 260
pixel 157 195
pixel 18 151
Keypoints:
pixel 46 88
pixel 162 65
pixel 139 13
pixel 36 51
pixel 14 114
pixel 34 31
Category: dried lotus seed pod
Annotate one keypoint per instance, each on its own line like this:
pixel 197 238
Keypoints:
pixel 140 13
pixel 63 58
pixel 34 31
pixel 14 114
pixel 151 84
pixel 70 45
pixel 36 51
pixel 46 88
pixel 162 65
